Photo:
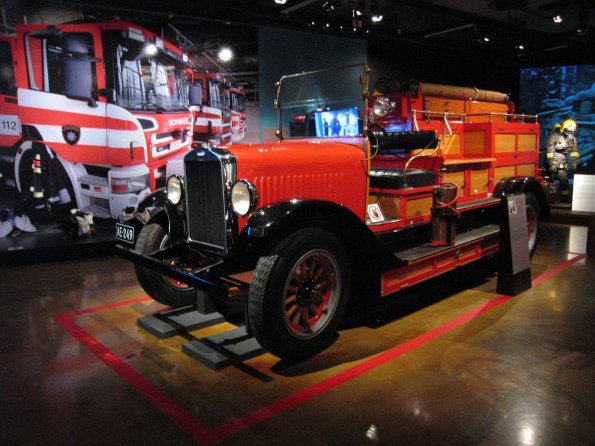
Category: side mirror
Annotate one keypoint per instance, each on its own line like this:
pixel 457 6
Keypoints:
pixel 195 95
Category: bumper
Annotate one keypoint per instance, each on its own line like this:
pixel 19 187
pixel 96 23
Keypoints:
pixel 226 288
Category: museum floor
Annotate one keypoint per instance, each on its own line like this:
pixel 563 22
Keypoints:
pixel 450 362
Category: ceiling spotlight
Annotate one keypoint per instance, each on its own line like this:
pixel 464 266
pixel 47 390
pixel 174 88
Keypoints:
pixel 150 49
pixel 376 15
pixel 280 2
pixel 358 10
pixel 225 54
pixel 486 38
pixel 557 18
pixel 519 47
pixel 583 23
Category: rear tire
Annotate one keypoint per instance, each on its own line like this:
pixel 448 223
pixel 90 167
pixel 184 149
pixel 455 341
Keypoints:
pixel 298 294
pixel 161 288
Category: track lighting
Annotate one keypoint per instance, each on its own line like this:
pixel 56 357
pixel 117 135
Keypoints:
pixel 329 5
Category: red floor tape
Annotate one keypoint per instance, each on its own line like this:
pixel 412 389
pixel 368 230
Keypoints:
pixel 204 434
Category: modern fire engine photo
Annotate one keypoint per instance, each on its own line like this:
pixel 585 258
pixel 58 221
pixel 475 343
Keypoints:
pixel 380 189
pixel 97 108
pixel 211 111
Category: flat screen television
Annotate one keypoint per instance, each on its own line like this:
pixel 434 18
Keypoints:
pixel 335 123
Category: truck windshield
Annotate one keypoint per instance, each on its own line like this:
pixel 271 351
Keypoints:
pixel 144 77
pixel 218 96
pixel 323 103
pixel 237 101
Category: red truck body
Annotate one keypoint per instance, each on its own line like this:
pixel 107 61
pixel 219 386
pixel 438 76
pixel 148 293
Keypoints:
pixel 381 198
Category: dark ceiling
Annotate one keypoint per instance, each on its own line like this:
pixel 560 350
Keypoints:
pixel 523 28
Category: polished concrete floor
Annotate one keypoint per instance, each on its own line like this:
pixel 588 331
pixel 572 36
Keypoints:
pixel 449 362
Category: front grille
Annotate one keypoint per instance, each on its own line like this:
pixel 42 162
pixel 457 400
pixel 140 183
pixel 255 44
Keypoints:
pixel 206 203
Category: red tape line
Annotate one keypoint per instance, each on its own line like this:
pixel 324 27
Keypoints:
pixel 199 431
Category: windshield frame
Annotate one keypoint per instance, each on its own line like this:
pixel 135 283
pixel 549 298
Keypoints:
pixel 363 82
pixel 163 74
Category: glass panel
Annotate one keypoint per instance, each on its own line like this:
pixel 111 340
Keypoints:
pixel 146 78
pixel 325 103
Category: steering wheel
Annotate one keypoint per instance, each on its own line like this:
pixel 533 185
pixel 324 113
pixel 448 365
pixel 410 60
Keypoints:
pixel 375 141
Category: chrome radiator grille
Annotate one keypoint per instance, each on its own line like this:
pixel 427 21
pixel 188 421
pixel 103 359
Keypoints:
pixel 206 199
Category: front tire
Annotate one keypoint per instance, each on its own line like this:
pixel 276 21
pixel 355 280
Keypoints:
pixel 163 289
pixel 298 294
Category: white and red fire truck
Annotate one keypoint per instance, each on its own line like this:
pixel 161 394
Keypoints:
pixel 237 100
pixel 10 127
pixel 96 108
pixel 212 119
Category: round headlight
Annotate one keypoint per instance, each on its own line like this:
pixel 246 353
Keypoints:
pixel 381 106
pixel 243 197
pixel 175 189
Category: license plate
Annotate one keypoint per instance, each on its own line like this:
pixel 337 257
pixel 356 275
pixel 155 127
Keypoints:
pixel 124 233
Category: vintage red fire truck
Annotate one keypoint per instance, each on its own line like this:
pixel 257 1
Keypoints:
pixel 290 230
pixel 212 119
pixel 100 108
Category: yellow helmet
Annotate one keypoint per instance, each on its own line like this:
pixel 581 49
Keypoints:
pixel 557 127
pixel 569 126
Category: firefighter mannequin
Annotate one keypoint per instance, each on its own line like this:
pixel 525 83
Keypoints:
pixel 560 143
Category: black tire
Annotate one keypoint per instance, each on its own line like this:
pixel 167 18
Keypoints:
pixel 533 222
pixel 164 290
pixel 298 294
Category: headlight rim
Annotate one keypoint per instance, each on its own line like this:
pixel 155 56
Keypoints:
pixel 386 106
pixel 180 181
pixel 252 197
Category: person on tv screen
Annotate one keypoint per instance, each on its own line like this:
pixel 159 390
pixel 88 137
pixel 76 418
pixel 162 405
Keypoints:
pixel 336 126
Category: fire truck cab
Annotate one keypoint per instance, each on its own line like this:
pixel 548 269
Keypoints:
pixel 102 107
pixel 10 126
pixel 237 100
pixel 350 208
pixel 212 118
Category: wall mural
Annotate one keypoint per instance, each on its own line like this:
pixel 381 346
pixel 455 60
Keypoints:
pixel 560 93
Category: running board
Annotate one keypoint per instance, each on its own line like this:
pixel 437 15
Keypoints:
pixel 418 253
pixel 425 261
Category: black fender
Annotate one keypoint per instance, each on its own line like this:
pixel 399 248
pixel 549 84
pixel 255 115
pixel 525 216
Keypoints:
pixel 522 185
pixel 279 220
pixel 161 211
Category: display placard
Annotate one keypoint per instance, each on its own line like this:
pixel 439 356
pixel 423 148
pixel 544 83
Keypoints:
pixel 514 271
pixel 517 220
pixel 583 193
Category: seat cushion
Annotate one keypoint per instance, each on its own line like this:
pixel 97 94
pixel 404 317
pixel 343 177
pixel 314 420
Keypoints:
pixel 393 178
pixel 404 142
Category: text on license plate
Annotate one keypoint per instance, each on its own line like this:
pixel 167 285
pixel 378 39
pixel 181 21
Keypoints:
pixel 125 233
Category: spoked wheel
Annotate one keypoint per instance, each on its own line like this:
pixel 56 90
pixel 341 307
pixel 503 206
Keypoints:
pixel 311 294
pixel 163 289
pixel 298 294
pixel 533 222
